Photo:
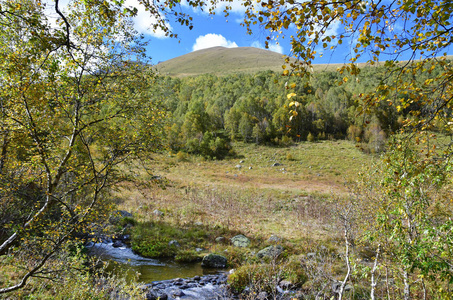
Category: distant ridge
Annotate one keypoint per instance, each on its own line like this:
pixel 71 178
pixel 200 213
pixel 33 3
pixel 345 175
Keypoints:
pixel 222 61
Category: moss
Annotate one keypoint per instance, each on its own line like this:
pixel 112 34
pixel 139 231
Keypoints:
pixel 151 239
pixel 187 256
pixel 157 247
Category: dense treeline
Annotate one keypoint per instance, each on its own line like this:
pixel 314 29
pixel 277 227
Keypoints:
pixel 209 111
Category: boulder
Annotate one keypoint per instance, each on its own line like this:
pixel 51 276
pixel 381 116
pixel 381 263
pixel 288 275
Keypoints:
pixel 240 241
pixel 118 244
pixel 174 243
pixel 274 239
pixel 220 240
pixel 214 261
pixel 158 213
pixel 271 251
pixel 337 285
pixel 118 215
pixel 285 284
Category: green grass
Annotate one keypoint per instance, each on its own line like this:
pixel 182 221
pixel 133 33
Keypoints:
pixel 222 61
pixel 293 200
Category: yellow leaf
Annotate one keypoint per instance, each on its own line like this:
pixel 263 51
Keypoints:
pixel 289 96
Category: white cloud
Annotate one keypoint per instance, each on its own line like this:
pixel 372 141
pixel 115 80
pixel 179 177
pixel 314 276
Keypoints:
pixel 329 31
pixel 276 48
pixel 212 40
pixel 143 22
pixel 272 47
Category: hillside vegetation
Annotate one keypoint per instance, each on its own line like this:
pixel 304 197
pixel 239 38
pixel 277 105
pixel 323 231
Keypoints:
pixel 222 61
pixel 207 112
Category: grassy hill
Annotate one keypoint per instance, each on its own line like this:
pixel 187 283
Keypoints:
pixel 222 61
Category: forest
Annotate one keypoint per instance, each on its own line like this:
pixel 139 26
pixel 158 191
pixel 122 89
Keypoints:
pixel 208 112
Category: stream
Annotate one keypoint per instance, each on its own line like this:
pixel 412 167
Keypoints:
pixel 168 280
pixel 126 263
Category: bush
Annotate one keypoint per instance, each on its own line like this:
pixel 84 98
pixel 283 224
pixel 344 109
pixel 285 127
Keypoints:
pixel 265 277
pixel 310 138
pixel 259 277
pixel 182 156
pixel 154 248
pixel 289 156
pixel 187 256
pixel 127 221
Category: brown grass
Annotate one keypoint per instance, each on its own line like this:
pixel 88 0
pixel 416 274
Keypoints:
pixel 291 200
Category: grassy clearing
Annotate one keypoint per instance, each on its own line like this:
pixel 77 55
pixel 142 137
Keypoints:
pixel 292 200
pixel 306 168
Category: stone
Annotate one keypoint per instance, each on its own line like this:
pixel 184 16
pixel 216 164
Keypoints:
pixel 220 240
pixel 214 261
pixel 240 241
pixel 250 168
pixel 337 285
pixel 242 161
pixel 198 223
pixel 274 239
pixel 178 293
pixel 276 164
pixel 153 295
pixel 118 215
pixel 311 255
pixel 174 243
pixel 285 284
pixel 238 166
pixel 198 249
pixel 271 251
pixel 262 296
pixel 118 244
pixel 158 213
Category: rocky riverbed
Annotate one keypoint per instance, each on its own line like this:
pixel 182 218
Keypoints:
pixel 208 287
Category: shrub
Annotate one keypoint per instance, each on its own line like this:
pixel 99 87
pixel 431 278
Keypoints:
pixel 293 271
pixel 310 138
pixel 127 221
pixel 265 277
pixel 182 156
pixel 289 156
pixel 259 277
pixel 154 248
pixel 187 256
pixel 286 141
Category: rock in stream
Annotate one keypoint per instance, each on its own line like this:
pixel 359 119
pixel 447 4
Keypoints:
pixel 208 287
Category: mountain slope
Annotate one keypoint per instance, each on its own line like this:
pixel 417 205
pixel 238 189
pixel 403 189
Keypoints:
pixel 221 61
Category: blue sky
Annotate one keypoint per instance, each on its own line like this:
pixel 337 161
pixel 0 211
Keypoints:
pixel 208 31
pixel 216 30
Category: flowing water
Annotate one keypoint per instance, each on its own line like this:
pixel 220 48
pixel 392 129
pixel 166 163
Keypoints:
pixel 125 263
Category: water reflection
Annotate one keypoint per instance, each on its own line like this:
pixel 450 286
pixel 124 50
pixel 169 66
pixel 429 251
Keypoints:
pixel 135 267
